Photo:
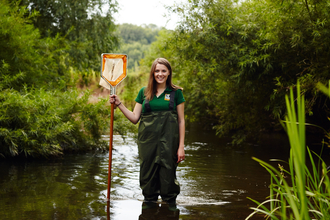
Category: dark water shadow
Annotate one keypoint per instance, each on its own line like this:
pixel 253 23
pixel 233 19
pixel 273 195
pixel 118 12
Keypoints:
pixel 156 211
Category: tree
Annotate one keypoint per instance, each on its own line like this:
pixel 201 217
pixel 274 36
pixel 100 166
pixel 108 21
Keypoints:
pixel 25 58
pixel 41 111
pixel 131 33
pixel 236 60
pixel 87 25
pixel 136 41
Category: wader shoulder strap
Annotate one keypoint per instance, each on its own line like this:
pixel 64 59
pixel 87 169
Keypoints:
pixel 147 105
pixel 171 104
pixel 172 96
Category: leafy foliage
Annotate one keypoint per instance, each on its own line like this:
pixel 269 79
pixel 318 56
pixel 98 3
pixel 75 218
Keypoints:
pixel 25 58
pixel 87 25
pixel 32 123
pixel 41 111
pixel 145 34
pixel 237 59
pixel 136 41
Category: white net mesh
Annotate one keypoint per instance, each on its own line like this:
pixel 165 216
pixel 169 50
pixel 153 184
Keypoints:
pixel 113 68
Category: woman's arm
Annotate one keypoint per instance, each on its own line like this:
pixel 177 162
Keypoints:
pixel 134 116
pixel 182 131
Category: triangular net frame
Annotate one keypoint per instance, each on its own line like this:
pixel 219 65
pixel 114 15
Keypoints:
pixel 113 69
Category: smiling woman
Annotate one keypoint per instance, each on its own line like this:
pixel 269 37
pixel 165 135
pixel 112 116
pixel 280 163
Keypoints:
pixel 160 109
pixel 161 74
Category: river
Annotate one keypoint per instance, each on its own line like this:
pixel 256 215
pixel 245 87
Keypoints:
pixel 216 180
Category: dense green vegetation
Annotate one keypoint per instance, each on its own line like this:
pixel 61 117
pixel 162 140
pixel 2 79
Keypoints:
pixel 41 111
pixel 85 24
pixel 237 59
pixel 234 59
pixel 136 41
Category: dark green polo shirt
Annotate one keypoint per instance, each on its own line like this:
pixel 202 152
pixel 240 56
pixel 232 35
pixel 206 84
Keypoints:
pixel 160 103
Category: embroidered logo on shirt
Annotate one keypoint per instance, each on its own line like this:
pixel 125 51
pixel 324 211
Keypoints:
pixel 167 97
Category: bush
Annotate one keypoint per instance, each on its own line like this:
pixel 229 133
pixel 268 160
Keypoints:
pixel 44 123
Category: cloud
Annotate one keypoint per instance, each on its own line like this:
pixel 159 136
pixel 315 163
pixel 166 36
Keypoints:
pixel 140 12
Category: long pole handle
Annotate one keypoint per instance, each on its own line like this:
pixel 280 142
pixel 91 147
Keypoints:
pixel 110 151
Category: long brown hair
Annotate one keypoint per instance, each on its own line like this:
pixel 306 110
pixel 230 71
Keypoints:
pixel 151 89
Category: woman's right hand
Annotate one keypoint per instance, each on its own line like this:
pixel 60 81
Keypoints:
pixel 114 99
pixel 134 116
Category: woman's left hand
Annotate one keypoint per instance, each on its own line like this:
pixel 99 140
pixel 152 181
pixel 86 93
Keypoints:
pixel 181 155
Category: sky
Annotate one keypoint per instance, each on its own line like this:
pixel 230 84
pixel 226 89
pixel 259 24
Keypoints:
pixel 140 12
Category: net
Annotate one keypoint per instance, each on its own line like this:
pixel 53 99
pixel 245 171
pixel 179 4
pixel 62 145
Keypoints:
pixel 113 69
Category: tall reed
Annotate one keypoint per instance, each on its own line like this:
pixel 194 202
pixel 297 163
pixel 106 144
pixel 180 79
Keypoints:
pixel 308 194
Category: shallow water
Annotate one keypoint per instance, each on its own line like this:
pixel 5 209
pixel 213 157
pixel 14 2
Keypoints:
pixel 216 179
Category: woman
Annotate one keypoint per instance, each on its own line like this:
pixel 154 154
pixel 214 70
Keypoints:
pixel 161 133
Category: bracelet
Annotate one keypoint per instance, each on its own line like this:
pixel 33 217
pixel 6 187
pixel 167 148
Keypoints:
pixel 119 104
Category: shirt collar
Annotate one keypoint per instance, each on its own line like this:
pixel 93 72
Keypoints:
pixel 168 89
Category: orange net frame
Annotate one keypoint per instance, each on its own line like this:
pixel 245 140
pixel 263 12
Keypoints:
pixel 113 69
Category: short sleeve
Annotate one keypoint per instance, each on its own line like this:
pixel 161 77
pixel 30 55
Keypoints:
pixel 179 97
pixel 140 96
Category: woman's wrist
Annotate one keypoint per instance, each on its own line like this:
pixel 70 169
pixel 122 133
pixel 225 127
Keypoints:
pixel 119 104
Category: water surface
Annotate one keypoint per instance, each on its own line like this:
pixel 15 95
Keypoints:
pixel 216 178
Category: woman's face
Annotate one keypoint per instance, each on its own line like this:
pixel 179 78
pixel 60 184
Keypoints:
pixel 161 73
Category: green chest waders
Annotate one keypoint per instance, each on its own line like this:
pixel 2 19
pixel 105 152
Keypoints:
pixel 158 142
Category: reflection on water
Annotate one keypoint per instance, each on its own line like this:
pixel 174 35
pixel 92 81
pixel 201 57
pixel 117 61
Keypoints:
pixel 216 179
pixel 159 212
